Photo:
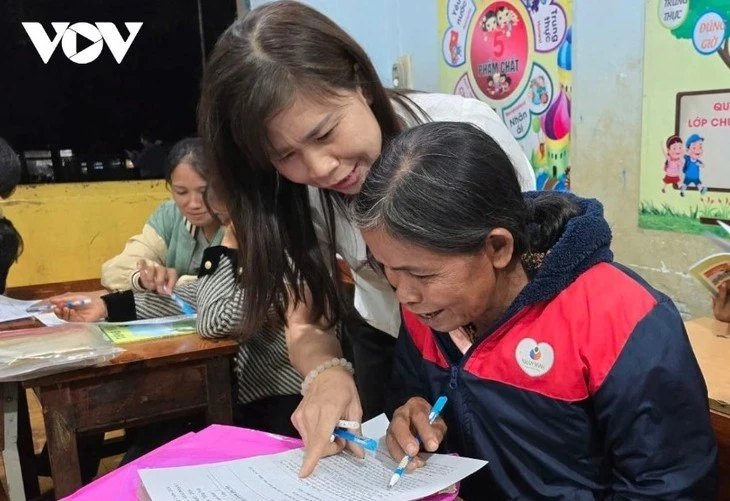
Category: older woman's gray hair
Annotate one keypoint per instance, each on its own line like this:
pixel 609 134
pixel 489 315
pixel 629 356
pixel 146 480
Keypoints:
pixel 445 185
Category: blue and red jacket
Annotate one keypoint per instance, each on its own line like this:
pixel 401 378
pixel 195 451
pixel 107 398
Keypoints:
pixel 587 388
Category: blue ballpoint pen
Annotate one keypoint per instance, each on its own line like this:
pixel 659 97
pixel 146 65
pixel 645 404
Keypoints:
pixel 41 308
pixel 185 307
pixel 435 411
pixel 367 443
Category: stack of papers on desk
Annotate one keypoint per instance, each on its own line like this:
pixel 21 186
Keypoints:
pixel 337 478
pixel 40 351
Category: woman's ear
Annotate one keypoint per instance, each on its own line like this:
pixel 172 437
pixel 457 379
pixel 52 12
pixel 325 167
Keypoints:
pixel 500 246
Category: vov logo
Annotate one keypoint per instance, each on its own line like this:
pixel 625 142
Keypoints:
pixel 67 34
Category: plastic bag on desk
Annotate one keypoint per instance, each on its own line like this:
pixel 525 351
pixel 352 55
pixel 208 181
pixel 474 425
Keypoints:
pixel 31 353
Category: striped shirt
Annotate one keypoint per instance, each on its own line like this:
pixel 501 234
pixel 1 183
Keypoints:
pixel 262 364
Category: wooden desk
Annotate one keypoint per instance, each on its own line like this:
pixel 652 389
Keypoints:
pixel 16 443
pixel 16 437
pixel 150 381
pixel 712 352
pixel 41 291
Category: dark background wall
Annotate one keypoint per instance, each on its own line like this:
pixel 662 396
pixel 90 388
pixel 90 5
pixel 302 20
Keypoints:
pixel 100 109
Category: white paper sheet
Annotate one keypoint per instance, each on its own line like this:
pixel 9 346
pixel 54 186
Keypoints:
pixel 49 319
pixel 13 309
pixel 338 478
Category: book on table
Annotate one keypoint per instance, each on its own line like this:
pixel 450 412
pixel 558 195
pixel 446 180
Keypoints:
pixel 714 270
pixel 143 330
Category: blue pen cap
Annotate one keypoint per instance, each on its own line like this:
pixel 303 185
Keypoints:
pixel 440 404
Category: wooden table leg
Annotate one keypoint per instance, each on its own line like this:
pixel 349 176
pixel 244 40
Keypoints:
pixel 17 441
pixel 721 426
pixel 219 409
pixel 61 438
pixel 25 447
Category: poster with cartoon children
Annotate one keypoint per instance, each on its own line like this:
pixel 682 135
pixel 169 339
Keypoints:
pixel 516 55
pixel 685 184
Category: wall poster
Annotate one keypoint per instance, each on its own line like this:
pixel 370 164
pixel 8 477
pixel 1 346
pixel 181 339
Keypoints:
pixel 685 157
pixel 516 56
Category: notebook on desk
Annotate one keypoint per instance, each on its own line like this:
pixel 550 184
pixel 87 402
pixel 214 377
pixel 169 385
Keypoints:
pixel 714 270
pixel 143 330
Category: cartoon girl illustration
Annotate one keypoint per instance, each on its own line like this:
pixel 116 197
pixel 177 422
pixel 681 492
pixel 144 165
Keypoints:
pixel 674 161
pixel 538 91
pixel 494 85
pixel 490 86
pixel 489 23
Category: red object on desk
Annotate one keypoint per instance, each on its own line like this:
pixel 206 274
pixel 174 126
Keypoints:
pixel 214 444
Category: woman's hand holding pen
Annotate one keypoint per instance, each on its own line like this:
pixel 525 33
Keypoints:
pixel 94 311
pixel 330 397
pixel 409 421
pixel 156 278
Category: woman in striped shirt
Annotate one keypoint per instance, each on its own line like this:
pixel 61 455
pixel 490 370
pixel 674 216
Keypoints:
pixel 267 386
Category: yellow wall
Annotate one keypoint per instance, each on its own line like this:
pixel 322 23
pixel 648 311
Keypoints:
pixel 71 229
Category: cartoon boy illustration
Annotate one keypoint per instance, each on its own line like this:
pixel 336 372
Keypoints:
pixel 693 164
pixel 500 79
pixel 494 84
pixel 673 151
pixel 506 19
pixel 506 82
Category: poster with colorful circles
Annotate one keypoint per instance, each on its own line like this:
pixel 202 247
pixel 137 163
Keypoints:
pixel 685 156
pixel 516 56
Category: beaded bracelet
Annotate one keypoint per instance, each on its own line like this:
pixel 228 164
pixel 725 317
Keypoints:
pixel 335 362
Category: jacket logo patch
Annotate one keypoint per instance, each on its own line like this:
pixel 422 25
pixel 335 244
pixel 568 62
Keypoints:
pixel 536 359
